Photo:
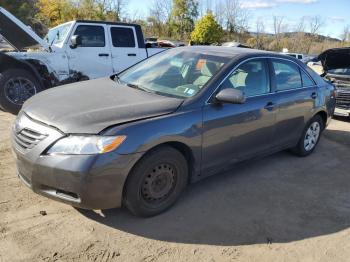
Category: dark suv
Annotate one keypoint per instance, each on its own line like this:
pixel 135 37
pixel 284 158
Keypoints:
pixel 138 138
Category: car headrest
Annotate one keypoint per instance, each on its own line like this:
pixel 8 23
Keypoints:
pixel 253 79
pixel 209 69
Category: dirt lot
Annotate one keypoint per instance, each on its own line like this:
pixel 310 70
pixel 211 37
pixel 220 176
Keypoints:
pixel 281 208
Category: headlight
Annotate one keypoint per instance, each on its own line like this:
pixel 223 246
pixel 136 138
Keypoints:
pixel 86 145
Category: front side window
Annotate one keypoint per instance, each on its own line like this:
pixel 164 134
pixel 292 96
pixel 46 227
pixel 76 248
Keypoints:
pixel 251 78
pixel 176 73
pixel 122 37
pixel 287 75
pixel 91 35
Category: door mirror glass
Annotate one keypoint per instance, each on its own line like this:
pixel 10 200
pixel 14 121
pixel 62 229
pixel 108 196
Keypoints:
pixel 230 95
pixel 75 41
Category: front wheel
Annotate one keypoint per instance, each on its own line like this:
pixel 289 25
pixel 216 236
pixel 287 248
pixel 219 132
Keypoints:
pixel 310 137
pixel 156 182
pixel 16 86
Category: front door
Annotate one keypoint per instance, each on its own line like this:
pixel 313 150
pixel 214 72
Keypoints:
pixel 233 132
pixel 92 59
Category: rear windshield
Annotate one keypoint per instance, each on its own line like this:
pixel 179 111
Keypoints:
pixel 177 73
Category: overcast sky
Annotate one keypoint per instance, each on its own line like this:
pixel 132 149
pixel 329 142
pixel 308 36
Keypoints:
pixel 336 13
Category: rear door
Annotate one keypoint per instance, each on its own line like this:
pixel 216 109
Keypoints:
pixel 233 132
pixel 124 47
pixel 91 59
pixel 295 94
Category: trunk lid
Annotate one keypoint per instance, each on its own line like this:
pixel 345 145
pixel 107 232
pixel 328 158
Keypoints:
pixel 16 33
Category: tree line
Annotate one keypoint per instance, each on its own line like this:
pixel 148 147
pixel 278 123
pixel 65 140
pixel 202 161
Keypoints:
pixel 198 21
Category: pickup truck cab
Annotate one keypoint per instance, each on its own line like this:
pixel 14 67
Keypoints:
pixel 71 52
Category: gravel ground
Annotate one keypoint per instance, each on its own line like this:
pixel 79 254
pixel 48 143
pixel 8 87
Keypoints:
pixel 279 208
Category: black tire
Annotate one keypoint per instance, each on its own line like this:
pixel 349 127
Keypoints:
pixel 141 195
pixel 33 86
pixel 300 149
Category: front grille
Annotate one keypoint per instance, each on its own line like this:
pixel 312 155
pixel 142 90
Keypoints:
pixel 28 138
pixel 343 99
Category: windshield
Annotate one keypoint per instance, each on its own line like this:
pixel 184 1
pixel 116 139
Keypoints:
pixel 340 71
pixel 58 34
pixel 176 72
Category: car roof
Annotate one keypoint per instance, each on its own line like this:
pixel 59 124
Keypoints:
pixel 230 52
pixel 106 22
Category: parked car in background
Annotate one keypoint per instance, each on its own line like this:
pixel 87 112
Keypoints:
pixel 302 57
pixel 71 52
pixel 151 42
pixel 234 44
pixel 137 138
pixel 335 64
pixel 170 43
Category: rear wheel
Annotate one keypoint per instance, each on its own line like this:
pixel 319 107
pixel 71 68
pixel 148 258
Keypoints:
pixel 16 86
pixel 156 182
pixel 310 137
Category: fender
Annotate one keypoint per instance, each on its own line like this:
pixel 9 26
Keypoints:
pixel 36 67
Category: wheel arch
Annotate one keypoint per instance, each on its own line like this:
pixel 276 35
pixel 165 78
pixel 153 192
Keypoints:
pixel 323 116
pixel 9 62
pixel 184 149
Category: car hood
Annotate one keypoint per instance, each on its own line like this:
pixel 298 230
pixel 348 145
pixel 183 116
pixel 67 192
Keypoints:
pixel 91 106
pixel 335 58
pixel 18 34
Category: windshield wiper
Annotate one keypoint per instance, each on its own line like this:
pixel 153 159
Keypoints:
pixel 138 87
pixel 151 91
pixel 117 78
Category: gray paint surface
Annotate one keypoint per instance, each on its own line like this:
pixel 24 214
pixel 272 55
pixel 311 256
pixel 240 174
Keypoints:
pixel 214 135
pixel 91 106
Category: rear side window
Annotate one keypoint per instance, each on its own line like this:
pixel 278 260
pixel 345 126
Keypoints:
pixel 307 81
pixel 91 35
pixel 300 57
pixel 251 78
pixel 287 75
pixel 122 37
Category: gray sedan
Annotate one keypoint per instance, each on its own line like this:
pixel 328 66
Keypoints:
pixel 138 138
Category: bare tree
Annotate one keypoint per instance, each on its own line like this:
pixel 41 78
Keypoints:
pixel 114 7
pixel 160 12
pixel 278 28
pixel 205 6
pixel 219 12
pixel 299 38
pixel 236 17
pixel 346 33
pixel 260 33
pixel 315 25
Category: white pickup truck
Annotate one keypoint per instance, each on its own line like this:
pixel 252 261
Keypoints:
pixel 74 51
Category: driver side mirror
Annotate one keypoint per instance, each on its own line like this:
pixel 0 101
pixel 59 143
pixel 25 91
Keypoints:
pixel 75 41
pixel 230 95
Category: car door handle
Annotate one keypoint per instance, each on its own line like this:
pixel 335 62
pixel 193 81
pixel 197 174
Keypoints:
pixel 131 54
pixel 103 54
pixel 314 95
pixel 269 106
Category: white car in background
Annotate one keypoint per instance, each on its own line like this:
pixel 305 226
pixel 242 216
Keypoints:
pixel 73 51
